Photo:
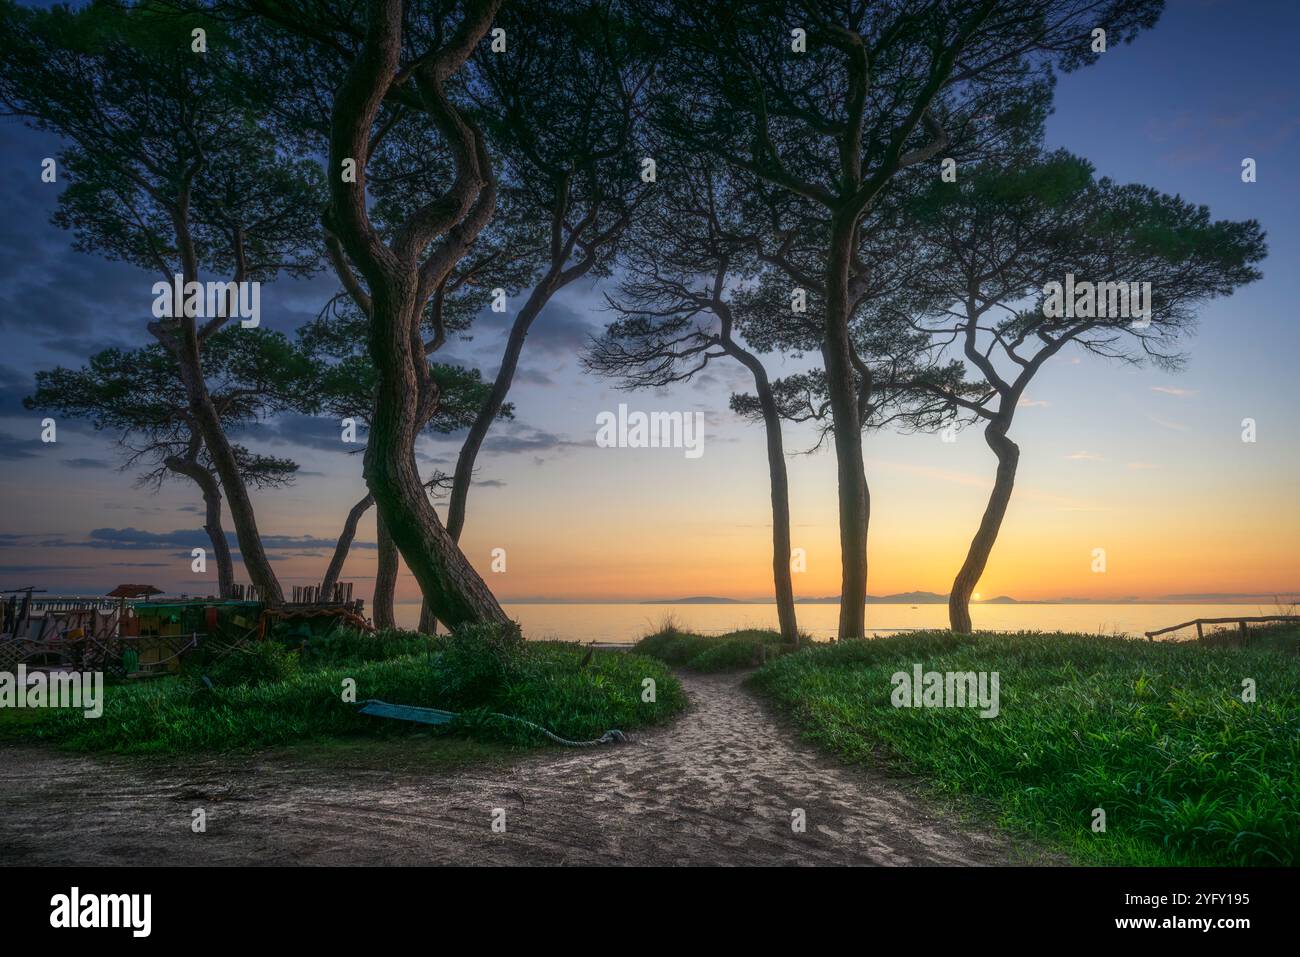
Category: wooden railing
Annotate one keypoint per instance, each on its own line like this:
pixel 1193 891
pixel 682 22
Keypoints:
pixel 1200 624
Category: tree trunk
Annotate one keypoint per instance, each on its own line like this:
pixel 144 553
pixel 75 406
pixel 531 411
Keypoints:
pixel 344 544
pixel 208 423
pixel 854 501
pixel 217 535
pixel 469 449
pixel 780 487
pixel 212 520
pixel 385 578
pixel 400 279
pixel 447 580
pixel 428 621
pixel 981 546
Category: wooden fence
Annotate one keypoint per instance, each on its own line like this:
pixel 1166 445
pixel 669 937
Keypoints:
pixel 1200 624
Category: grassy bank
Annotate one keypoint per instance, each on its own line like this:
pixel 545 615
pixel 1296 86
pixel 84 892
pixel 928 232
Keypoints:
pixel 710 653
pixel 1156 735
pixel 277 695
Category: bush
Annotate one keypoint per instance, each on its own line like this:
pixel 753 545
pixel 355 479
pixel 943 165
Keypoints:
pixel 712 653
pixel 475 663
pixel 347 646
pixel 264 662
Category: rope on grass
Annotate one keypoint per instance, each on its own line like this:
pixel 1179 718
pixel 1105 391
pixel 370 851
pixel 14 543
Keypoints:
pixel 406 712
pixel 611 736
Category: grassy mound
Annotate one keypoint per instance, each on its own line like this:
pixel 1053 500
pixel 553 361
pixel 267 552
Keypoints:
pixel 729 652
pixel 1155 734
pixel 277 695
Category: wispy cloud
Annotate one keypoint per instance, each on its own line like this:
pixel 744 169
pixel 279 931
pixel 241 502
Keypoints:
pixel 1173 390
pixel 1085 457
pixel 1166 424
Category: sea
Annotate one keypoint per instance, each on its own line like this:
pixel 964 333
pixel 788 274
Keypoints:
pixel 626 622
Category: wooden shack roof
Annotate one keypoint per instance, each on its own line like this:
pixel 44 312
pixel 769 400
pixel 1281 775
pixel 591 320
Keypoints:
pixel 134 591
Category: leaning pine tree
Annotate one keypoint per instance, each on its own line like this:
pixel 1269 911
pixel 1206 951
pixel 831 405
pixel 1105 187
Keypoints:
pixel 379 67
pixel 991 246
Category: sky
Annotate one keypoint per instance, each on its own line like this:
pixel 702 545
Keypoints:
pixel 1147 465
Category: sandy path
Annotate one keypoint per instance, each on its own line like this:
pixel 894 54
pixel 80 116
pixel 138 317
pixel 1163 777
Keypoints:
pixel 716 787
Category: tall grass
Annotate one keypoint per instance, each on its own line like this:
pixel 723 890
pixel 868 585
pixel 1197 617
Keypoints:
pixel 1155 734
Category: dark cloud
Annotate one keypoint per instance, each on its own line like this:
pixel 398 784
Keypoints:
pixel 527 439
pixel 562 330
pixel 184 538
pixel 12 447
pixel 39 569
pixel 533 377
pixel 304 431
pixel 15 385
pixel 87 463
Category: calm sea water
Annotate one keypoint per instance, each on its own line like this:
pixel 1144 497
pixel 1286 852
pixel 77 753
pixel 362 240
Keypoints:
pixel 627 623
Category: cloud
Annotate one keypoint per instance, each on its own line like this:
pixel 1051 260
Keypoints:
pixel 12 447
pixel 86 464
pixel 304 431
pixel 532 377
pixel 1166 424
pixel 1033 403
pixel 524 438
pixel 1085 457
pixel 129 539
pixel 15 385
pixel 1173 390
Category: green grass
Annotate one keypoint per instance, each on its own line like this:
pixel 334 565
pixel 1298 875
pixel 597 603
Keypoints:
pixel 709 653
pixel 1156 734
pixel 279 696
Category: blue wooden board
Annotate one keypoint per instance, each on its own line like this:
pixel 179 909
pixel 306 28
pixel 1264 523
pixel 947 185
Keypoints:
pixel 406 712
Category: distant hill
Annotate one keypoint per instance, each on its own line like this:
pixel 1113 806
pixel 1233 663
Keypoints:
pixel 909 598
pixel 901 598
pixel 696 600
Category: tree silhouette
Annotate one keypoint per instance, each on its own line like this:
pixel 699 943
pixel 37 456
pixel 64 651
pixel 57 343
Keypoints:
pixel 562 110
pixel 166 170
pixel 344 387
pixel 879 89
pixel 251 375
pixel 986 248
pixel 359 77
pixel 680 314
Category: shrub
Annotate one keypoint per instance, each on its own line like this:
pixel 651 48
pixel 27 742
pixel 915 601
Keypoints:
pixel 712 653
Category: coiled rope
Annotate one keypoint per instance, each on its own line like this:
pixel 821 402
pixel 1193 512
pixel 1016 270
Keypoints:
pixel 407 712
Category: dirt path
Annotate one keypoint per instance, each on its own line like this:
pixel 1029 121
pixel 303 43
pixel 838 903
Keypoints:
pixel 716 787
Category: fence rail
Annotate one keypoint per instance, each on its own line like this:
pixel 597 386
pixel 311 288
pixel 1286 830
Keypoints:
pixel 1200 624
